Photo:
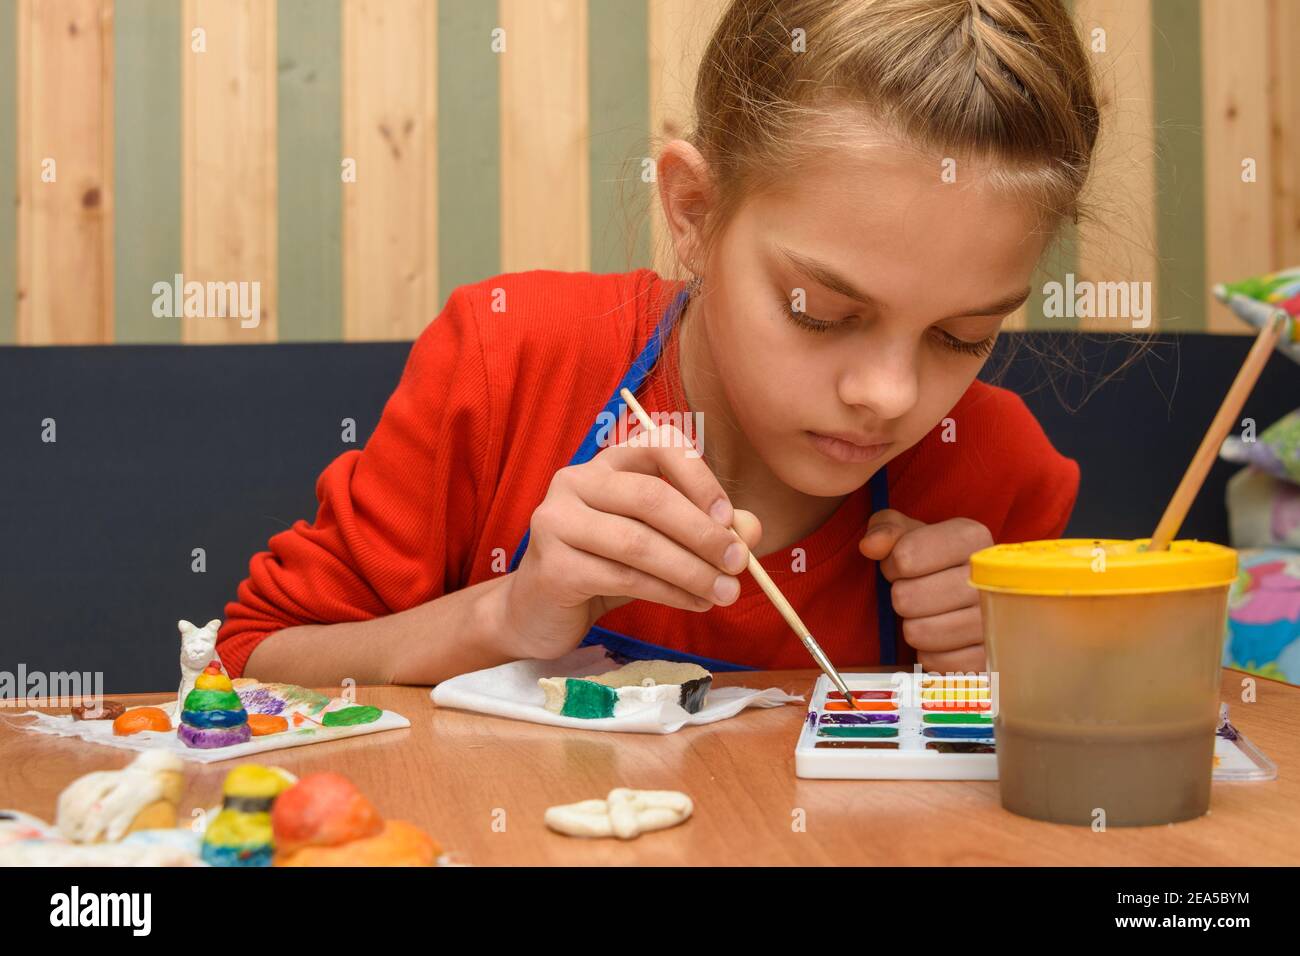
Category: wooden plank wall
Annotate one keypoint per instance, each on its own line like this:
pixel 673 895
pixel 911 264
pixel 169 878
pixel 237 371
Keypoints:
pixel 473 159
pixel 65 172
pixel 390 214
pixel 228 159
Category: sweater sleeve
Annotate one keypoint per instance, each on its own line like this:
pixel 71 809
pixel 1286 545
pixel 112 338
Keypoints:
pixel 396 520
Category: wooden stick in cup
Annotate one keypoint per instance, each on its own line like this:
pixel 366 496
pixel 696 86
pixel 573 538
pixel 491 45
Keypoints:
pixel 766 583
pixel 1202 461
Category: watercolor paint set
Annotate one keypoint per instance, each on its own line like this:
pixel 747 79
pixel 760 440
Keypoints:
pixel 933 727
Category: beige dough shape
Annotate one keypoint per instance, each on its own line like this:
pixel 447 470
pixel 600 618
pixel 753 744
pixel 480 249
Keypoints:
pixel 624 813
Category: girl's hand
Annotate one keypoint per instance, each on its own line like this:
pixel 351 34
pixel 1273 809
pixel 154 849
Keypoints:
pixel 928 567
pixel 612 531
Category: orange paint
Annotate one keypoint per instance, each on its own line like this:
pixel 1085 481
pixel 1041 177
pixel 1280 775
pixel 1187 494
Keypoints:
pixel 959 706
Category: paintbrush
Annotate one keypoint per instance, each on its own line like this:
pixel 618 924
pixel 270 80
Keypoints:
pixel 766 583
pixel 1202 461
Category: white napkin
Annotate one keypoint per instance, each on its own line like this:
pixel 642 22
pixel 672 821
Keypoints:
pixel 101 732
pixel 510 690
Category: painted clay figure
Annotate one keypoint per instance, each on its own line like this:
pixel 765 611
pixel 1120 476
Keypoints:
pixel 198 649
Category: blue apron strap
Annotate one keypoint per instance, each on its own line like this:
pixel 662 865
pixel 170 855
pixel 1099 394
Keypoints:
pixel 631 381
pixel 623 649
pixel 885 621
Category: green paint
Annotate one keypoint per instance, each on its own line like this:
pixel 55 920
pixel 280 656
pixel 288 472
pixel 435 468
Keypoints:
pixel 1180 165
pixel 469 145
pixel 351 716
pixel 619 119
pixel 8 171
pixel 310 145
pixel 212 700
pixel 855 731
pixel 146 165
pixel 587 699
pixel 956 719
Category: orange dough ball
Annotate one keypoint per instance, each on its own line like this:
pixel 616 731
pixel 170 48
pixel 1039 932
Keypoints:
pixel 398 844
pixel 262 724
pixel 141 718
pixel 322 809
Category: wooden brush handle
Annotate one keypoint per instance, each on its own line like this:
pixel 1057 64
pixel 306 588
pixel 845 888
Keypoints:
pixel 1203 460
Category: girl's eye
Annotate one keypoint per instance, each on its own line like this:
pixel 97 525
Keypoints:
pixel 982 348
pixel 803 319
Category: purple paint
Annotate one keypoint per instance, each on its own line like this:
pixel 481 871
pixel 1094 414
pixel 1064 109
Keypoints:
pixel 258 700
pixel 838 719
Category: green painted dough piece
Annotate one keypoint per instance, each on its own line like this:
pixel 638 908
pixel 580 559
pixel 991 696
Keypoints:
pixel 212 700
pixel 351 716
pixel 587 699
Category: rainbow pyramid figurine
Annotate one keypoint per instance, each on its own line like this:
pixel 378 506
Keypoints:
pixel 241 834
pixel 212 715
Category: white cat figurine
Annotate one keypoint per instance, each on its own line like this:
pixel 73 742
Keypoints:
pixel 198 648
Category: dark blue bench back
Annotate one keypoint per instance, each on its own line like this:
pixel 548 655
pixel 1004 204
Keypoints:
pixel 164 449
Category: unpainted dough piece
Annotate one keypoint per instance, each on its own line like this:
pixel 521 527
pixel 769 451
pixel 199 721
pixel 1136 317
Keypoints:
pixel 625 813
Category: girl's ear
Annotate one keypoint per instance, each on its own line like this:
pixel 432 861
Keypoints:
pixel 686 195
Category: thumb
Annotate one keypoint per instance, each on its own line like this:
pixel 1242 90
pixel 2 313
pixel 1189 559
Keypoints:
pixel 883 531
pixel 748 527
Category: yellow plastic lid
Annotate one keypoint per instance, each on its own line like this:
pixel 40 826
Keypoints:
pixel 1101 566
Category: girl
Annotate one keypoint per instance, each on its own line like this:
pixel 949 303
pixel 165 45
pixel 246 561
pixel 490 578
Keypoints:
pixel 859 216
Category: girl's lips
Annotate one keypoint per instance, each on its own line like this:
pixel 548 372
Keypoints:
pixel 846 451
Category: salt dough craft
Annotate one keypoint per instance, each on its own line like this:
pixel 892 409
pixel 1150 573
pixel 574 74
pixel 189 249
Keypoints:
pixel 241 833
pixel 103 710
pixel 213 715
pixel 141 718
pixel 260 725
pixel 624 813
pixel 627 688
pixel 198 650
pixel 106 805
pixel 324 820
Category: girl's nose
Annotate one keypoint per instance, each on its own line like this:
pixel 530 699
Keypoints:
pixel 884 380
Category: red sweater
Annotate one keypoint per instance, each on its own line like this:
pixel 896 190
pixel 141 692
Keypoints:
pixel 493 402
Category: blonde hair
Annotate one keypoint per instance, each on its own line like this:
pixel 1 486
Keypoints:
pixel 1003 82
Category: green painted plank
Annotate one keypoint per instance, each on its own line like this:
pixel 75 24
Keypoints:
pixel 146 165
pixel 310 145
pixel 8 171
pixel 619 120
pixel 469 144
pixel 1060 259
pixel 1180 165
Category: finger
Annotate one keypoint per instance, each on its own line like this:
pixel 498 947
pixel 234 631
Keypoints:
pixel 884 528
pixel 963 660
pixel 656 503
pixel 933 594
pixel 641 547
pixel 934 547
pixel 944 632
pixel 604 577
pixel 748 527
pixel 670 454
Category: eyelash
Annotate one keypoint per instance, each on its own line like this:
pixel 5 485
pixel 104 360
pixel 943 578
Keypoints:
pixel 981 348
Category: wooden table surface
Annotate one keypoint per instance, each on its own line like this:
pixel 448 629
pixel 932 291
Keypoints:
pixel 479 785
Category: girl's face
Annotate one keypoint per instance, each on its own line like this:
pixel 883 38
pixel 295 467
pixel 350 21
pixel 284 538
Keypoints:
pixel 846 314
